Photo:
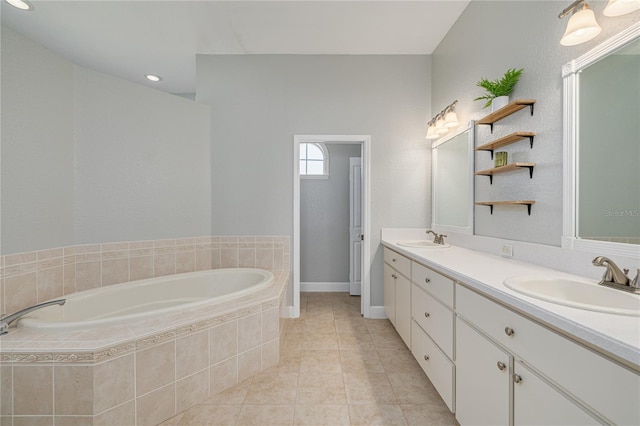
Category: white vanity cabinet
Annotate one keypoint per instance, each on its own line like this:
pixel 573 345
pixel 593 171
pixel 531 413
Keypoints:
pixel 432 329
pixel 553 379
pixel 397 293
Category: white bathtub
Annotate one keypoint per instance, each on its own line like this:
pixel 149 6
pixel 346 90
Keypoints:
pixel 145 298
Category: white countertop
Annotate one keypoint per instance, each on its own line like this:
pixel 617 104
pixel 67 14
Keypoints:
pixel 617 336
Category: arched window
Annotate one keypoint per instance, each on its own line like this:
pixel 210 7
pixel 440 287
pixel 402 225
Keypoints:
pixel 314 160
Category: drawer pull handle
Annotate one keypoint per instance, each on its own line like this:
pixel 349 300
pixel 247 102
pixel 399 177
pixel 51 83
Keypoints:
pixel 426 357
pixel 393 260
pixel 427 280
pixel 509 331
pixel 427 314
pixel 517 379
pixel 501 366
pixel 394 276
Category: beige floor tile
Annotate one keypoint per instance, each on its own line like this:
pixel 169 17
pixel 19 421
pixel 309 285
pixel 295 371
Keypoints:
pixel 401 361
pixel 379 326
pixel 368 388
pixel 321 389
pixel 428 415
pixel 361 362
pixel 294 326
pixel 320 342
pixel 369 415
pixel 320 362
pixel 202 415
pixel 272 388
pixel 388 341
pixel 355 342
pixel 351 325
pixel 233 395
pixel 414 389
pixel 292 342
pixel 320 324
pixel 173 421
pixel 289 363
pixel 263 415
pixel 320 415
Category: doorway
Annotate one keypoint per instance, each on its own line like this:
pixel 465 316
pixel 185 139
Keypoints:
pixel 359 217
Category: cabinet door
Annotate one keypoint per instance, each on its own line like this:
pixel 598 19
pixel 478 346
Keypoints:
pixel 537 403
pixel 482 379
pixel 403 309
pixel 390 293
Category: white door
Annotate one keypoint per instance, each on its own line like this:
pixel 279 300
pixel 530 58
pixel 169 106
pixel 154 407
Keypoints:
pixel 355 226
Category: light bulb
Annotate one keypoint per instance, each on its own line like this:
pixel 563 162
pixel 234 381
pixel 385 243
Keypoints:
pixel 621 7
pixel 440 129
pixel 20 4
pixel 431 133
pixel 581 27
pixel 451 120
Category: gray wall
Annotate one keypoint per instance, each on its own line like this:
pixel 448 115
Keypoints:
pixel 324 220
pixel 259 102
pixel 143 162
pixel 488 38
pixel 37 147
pixel 91 158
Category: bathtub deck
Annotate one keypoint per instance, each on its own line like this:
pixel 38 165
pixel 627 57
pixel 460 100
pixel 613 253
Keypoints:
pixel 141 373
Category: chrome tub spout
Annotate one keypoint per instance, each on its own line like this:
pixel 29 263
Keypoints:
pixel 6 321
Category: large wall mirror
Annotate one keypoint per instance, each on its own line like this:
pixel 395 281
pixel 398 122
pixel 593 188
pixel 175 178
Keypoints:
pixel 452 181
pixel 602 147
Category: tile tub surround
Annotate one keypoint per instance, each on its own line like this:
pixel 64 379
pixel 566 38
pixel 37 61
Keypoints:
pixel 34 277
pixel 140 373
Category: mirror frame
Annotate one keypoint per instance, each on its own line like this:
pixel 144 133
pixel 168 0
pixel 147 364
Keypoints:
pixel 570 114
pixel 470 127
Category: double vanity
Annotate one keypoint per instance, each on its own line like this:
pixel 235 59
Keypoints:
pixel 508 342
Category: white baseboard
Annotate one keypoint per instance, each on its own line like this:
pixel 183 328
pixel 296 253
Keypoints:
pixel 324 287
pixel 377 312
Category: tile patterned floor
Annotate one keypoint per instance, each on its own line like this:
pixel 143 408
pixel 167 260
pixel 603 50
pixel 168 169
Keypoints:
pixel 336 368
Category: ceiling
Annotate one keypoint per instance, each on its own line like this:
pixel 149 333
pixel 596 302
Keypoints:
pixel 129 39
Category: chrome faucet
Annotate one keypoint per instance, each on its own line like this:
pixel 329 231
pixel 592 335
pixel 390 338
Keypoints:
pixel 616 278
pixel 437 238
pixel 6 321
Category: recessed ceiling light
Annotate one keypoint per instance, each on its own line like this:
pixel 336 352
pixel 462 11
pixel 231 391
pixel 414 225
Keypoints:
pixel 20 4
pixel 154 78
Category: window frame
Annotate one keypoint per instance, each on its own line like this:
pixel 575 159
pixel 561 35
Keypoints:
pixel 325 161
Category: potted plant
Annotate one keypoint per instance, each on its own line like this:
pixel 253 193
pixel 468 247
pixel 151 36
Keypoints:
pixel 498 91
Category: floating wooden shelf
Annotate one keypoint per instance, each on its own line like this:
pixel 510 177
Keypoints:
pixel 504 169
pixel 509 139
pixel 527 203
pixel 506 111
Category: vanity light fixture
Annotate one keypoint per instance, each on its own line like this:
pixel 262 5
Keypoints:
pixel 443 122
pixel 21 4
pixel 582 25
pixel 621 7
pixel 154 78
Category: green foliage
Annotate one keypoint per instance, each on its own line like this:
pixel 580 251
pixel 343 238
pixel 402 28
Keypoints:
pixel 501 87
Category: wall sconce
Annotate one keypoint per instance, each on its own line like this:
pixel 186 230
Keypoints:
pixel 620 7
pixel 582 25
pixel 444 121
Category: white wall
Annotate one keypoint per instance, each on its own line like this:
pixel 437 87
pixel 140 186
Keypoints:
pixel 259 102
pixel 324 220
pixel 143 162
pixel 37 147
pixel 489 38
pixel 89 158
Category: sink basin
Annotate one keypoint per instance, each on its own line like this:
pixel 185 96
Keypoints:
pixel 582 294
pixel 422 244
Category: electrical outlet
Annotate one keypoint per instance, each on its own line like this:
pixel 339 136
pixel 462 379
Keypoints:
pixel 507 250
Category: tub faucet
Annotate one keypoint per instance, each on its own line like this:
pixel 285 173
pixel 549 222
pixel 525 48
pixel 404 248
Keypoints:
pixel 437 238
pixel 616 278
pixel 6 321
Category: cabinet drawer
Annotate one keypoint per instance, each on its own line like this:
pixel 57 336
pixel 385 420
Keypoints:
pixel 434 283
pixel 580 371
pixel 434 363
pixel 398 262
pixel 435 318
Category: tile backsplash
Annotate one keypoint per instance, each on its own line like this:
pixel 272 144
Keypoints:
pixel 34 277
